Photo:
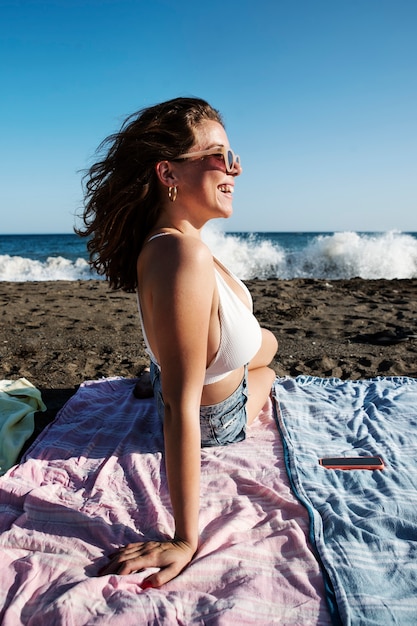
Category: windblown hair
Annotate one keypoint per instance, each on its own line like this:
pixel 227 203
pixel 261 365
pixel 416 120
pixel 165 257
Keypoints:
pixel 121 190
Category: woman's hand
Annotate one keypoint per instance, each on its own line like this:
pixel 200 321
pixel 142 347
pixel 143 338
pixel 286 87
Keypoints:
pixel 170 556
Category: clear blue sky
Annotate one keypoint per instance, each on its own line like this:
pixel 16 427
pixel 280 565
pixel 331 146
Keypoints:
pixel 319 99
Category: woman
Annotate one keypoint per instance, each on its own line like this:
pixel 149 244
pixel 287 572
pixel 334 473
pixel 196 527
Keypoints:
pixel 165 175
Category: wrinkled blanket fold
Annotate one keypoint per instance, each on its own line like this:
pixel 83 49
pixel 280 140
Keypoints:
pixel 95 480
pixel 363 523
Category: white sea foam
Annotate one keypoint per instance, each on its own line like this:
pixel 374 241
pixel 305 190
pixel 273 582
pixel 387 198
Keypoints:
pixel 349 254
pixel 334 256
pixel 329 256
pixel 246 257
pixel 19 269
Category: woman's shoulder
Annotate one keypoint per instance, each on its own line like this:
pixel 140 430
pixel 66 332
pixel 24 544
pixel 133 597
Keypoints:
pixel 176 252
pixel 180 246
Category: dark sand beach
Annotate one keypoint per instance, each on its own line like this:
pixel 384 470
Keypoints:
pixel 58 334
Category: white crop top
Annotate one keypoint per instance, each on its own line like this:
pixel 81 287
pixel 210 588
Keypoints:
pixel 240 333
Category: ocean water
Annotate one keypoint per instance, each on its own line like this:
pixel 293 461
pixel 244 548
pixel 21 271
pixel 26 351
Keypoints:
pixel 263 255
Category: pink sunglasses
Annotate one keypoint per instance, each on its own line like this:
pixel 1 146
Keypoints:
pixel 230 158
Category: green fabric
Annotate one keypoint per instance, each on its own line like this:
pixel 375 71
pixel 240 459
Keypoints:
pixel 19 400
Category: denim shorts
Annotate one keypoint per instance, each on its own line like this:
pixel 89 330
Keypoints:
pixel 222 423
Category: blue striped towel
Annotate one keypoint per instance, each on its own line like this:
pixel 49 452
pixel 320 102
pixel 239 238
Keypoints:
pixel 363 524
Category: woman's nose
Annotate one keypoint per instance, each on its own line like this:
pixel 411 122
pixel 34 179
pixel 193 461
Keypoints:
pixel 237 169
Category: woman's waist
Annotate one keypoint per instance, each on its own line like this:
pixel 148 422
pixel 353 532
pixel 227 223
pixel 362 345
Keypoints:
pixel 216 392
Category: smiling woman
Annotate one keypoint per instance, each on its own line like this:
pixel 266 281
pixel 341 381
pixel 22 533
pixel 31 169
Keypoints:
pixel 163 177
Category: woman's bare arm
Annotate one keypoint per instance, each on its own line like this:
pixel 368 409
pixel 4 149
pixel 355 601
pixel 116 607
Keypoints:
pixel 179 301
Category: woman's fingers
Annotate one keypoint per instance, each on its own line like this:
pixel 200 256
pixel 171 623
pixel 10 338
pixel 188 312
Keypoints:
pixel 170 556
pixel 131 558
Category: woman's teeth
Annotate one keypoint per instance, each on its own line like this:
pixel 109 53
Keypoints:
pixel 226 188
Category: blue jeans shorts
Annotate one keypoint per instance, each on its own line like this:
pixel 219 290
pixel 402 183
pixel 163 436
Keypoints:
pixel 222 423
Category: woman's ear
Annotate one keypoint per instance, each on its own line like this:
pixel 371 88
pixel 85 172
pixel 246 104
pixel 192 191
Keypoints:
pixel 166 173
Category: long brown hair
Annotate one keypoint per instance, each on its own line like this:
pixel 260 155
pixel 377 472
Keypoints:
pixel 121 191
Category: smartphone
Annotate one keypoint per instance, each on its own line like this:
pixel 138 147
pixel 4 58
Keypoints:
pixel 353 462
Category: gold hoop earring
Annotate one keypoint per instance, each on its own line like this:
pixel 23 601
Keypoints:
pixel 172 193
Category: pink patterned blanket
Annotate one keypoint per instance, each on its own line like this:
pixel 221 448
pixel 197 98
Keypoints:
pixel 95 480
